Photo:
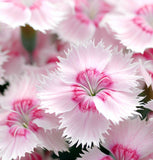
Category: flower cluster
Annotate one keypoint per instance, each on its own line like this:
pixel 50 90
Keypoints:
pixel 76 75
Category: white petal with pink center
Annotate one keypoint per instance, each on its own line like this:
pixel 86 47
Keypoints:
pixel 130 139
pixel 134 26
pixel 83 19
pixel 93 84
pixel 24 121
pixel 92 77
pixel 95 154
pixel 40 14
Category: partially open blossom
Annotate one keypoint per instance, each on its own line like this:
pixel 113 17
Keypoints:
pixel 25 126
pixel 95 154
pixel 92 83
pixel 83 19
pixel 40 14
pixel 133 24
pixel 130 139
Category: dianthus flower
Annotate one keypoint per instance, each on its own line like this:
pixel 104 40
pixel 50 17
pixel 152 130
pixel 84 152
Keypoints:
pixel 130 139
pixel 92 85
pixel 83 19
pixel 40 14
pixel 25 126
pixel 133 24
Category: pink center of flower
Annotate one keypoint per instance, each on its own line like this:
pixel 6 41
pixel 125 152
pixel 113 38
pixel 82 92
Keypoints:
pixel 120 152
pixel 144 18
pixel 20 120
pixel 90 83
pixel 91 10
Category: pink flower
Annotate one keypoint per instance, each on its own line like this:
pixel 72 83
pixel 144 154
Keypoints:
pixel 133 24
pixel 40 14
pixel 25 126
pixel 83 19
pixel 92 83
pixel 130 139
pixel 95 154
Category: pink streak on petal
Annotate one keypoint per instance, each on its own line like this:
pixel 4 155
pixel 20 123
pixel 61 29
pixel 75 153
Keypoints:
pixel 140 23
pixel 16 131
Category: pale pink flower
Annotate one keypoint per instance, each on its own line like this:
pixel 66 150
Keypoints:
pixel 40 14
pixel 25 125
pixel 95 154
pixel 83 19
pixel 92 83
pixel 133 24
pixel 130 139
